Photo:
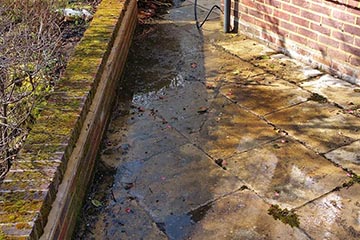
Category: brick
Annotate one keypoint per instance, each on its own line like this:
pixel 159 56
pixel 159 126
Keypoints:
pixel 318 27
pixel 301 3
pixel 357 41
pixel 309 15
pixel 343 37
pixel 308 33
pixel 274 3
pixel 338 54
pixel 290 8
pixel 288 26
pixel 343 16
pixel 320 9
pixel 355 61
pixel 351 49
pixel 329 41
pixel 249 3
pixel 256 13
pixel 281 15
pixel 300 21
pixel 352 29
pixel 298 39
pixel 328 21
pixel 268 37
pixel 247 18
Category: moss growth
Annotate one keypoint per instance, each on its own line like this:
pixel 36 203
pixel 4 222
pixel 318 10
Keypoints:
pixel 23 226
pixel 317 98
pixel 284 215
pixel 22 206
pixel 354 179
pixel 2 235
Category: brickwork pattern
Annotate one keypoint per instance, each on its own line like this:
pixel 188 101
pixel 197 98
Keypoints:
pixel 325 33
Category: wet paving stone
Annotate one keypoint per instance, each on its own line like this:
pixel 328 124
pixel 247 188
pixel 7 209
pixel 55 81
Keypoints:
pixel 209 130
pixel 243 216
pixel 347 157
pixel 230 129
pixel 175 182
pixel 343 93
pixel 334 216
pixel 286 173
pixel 320 126
pixel 265 97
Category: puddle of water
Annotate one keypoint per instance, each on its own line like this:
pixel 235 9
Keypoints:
pixel 178 227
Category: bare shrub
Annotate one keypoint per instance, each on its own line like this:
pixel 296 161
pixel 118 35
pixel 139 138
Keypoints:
pixel 29 37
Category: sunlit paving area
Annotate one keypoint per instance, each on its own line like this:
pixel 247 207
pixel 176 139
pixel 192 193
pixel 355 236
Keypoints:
pixel 217 136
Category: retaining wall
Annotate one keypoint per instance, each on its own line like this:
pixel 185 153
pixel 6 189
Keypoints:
pixel 43 191
pixel 324 33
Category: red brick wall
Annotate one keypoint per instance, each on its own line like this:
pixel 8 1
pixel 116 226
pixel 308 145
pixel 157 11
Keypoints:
pixel 325 33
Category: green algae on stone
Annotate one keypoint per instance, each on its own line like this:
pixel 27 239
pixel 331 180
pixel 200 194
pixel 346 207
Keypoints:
pixel 284 215
pixel 21 206
pixel 2 235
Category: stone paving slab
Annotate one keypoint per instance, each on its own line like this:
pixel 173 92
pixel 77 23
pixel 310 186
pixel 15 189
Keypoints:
pixel 265 98
pixel 286 173
pixel 334 216
pixel 347 157
pixel 220 136
pixel 196 159
pixel 176 182
pixel 243 216
pixel 246 49
pixel 335 90
pixel 320 126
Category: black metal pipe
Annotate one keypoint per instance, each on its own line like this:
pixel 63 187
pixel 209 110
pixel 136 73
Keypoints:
pixel 227 8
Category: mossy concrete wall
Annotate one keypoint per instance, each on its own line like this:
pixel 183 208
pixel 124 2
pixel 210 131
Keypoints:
pixel 43 192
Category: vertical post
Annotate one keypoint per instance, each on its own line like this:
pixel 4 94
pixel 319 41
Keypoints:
pixel 227 8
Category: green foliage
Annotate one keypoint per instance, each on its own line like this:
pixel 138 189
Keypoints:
pixel 284 215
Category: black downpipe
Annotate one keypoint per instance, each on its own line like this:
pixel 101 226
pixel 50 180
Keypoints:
pixel 227 8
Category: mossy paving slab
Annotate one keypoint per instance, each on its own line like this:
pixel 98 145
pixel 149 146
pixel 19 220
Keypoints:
pixel 286 173
pixel 334 216
pixel 343 93
pixel 320 126
pixel 15 231
pixel 265 97
pixel 26 185
pixel 347 157
pixel 242 215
